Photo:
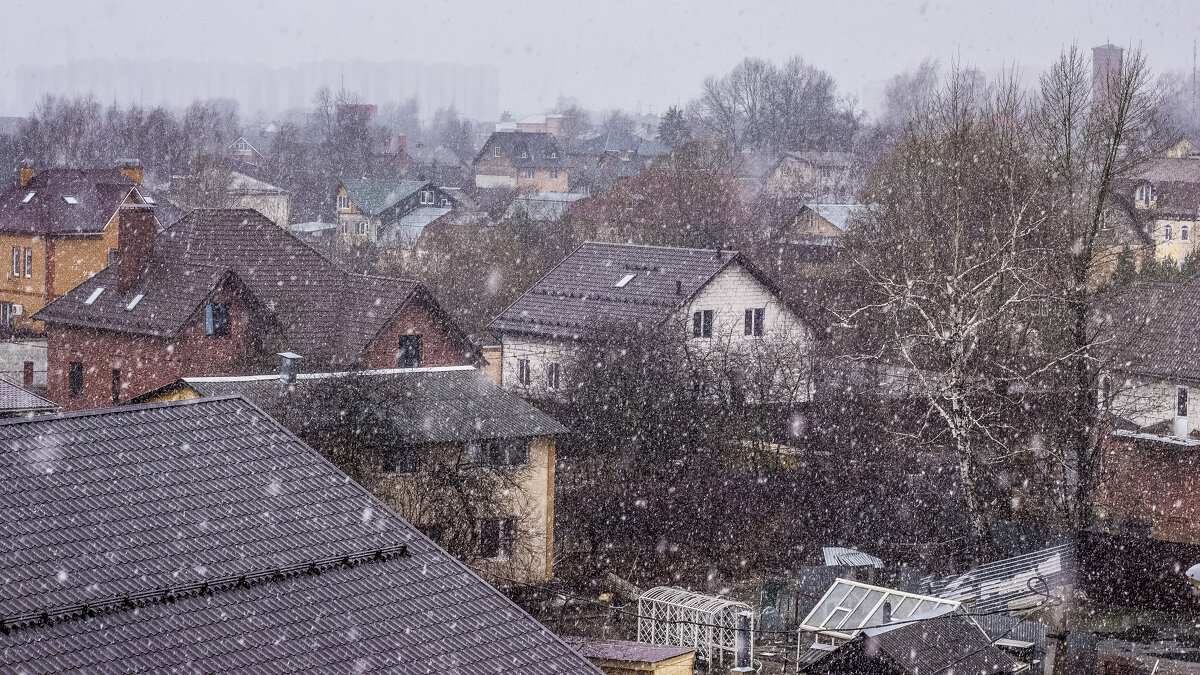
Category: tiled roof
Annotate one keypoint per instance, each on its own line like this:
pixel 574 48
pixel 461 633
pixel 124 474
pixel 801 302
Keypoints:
pixel 580 299
pixel 430 405
pixel 97 193
pixel 538 148
pixel 616 141
pixel 326 314
pixel 950 643
pixel 1147 329
pixel 624 650
pixel 14 400
pixel 203 536
pixel 373 196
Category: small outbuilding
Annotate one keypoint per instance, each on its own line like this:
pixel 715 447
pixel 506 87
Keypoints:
pixel 622 657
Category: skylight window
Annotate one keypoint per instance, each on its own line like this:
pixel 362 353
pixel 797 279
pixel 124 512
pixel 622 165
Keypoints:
pixel 134 302
pixel 149 200
pixel 95 294
pixel 625 280
pixel 70 200
pixel 29 196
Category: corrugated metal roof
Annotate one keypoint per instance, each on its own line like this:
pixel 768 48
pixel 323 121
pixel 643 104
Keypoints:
pixel 429 405
pixel 1011 584
pixel 837 556
pixel 202 535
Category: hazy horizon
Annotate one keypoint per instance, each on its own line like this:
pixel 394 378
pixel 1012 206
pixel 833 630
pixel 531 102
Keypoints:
pixel 614 54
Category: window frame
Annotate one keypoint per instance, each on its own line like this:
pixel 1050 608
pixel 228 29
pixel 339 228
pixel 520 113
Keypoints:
pixel 116 385
pixel 400 460
pixel 702 324
pixel 504 538
pixel 496 151
pixel 28 262
pixel 408 350
pixel 362 228
pixel 553 376
pixel 755 322
pixel 553 174
pixel 213 312
pixel 1168 232
pixel 1181 401
pixel 528 174
pixel 524 377
pixel 1185 233
pixel 75 379
pixel 343 202
pixel 16 262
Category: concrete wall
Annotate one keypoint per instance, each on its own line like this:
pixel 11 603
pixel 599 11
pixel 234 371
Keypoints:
pixel 540 352
pixel 485 180
pixel 14 355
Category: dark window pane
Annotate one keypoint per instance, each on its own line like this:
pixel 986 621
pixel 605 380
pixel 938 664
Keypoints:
pixel 116 385
pixel 697 326
pixel 76 379
pixel 216 319
pixel 410 351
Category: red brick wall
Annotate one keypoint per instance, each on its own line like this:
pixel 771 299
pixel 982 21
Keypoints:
pixel 439 346
pixel 1152 485
pixel 146 363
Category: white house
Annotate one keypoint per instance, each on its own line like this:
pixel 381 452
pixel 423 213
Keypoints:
pixel 718 299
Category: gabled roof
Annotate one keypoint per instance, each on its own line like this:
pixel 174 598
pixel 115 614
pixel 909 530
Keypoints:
pixel 616 141
pixel 97 193
pixel 1147 329
pixel 327 314
pixel 580 299
pixel 411 225
pixel 839 215
pixel 538 148
pixel 373 196
pixel 430 405
pixel 15 400
pixel 210 528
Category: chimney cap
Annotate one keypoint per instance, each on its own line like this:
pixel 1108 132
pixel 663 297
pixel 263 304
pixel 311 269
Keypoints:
pixel 25 163
pixel 129 163
pixel 290 355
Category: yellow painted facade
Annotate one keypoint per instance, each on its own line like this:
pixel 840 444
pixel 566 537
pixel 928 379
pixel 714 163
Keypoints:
pixel 1175 239
pixel 684 664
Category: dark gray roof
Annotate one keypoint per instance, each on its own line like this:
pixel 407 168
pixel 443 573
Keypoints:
pixel 1146 329
pixel 97 193
pixel 432 405
pixel 202 535
pixel 328 315
pixel 15 400
pixel 579 299
pixel 373 196
pixel 945 644
pixel 540 149
pixel 616 141
pixel 624 650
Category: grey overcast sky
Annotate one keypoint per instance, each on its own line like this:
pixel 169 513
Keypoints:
pixel 612 53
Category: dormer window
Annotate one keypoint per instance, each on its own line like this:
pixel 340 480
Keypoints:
pixel 524 154
pixel 496 151
pixel 28 197
pixel 149 200
pixel 553 154
pixel 343 202
pixel 70 200
pixel 427 196
pixel 1144 194
pixel 91 299
pixel 625 280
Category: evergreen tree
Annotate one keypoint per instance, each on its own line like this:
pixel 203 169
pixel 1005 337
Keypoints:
pixel 673 129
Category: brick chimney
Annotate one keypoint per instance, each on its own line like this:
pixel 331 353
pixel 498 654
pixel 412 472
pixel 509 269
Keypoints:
pixel 401 143
pixel 25 172
pixel 131 168
pixel 135 243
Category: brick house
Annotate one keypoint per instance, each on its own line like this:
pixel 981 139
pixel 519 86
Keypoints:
pixel 221 292
pixel 450 418
pixel 61 226
pixel 718 300
pixel 522 161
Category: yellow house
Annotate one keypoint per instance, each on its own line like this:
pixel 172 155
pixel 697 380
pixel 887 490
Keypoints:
pixel 1165 195
pixel 523 161
pixel 458 432
pixel 60 227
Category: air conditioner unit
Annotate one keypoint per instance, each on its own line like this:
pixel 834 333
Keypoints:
pixel 18 310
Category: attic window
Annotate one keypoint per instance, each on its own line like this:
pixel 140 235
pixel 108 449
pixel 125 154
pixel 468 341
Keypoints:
pixel 134 302
pixel 70 200
pixel 95 294
pixel 28 196
pixel 149 200
pixel 625 280
pixel 524 154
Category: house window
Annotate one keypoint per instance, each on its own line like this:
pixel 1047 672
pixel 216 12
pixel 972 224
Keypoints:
pixel 754 321
pixel 499 452
pixel 524 154
pixel 114 256
pixel 553 154
pixel 1184 234
pixel 496 151
pixel 1181 406
pixel 427 196
pixel 523 377
pixel 362 228
pixel 410 351
pixel 345 228
pixel 553 174
pixel 343 203
pixel 28 263
pixel 27 374
pixel 75 379
pixel 1145 193
pixel 496 538
pixel 527 174
pixel 16 262
pixel 1104 221
pixel 702 324
pixel 552 372
pixel 216 319
pixel 1168 233
pixel 116 386
pixel 7 314
pixel 401 459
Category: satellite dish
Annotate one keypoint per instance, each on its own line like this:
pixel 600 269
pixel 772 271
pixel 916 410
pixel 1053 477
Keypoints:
pixel 1193 575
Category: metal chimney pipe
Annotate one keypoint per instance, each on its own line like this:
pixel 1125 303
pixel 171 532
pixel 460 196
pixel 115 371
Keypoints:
pixel 288 366
pixel 742 643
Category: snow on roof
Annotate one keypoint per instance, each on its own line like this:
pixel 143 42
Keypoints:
pixel 1011 584
pixel 835 555
pixel 838 214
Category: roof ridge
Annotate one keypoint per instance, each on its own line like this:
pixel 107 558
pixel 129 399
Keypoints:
pixel 154 596
pixel 117 410
pixel 674 248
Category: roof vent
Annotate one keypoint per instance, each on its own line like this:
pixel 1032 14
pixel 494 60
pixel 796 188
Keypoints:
pixel 288 366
